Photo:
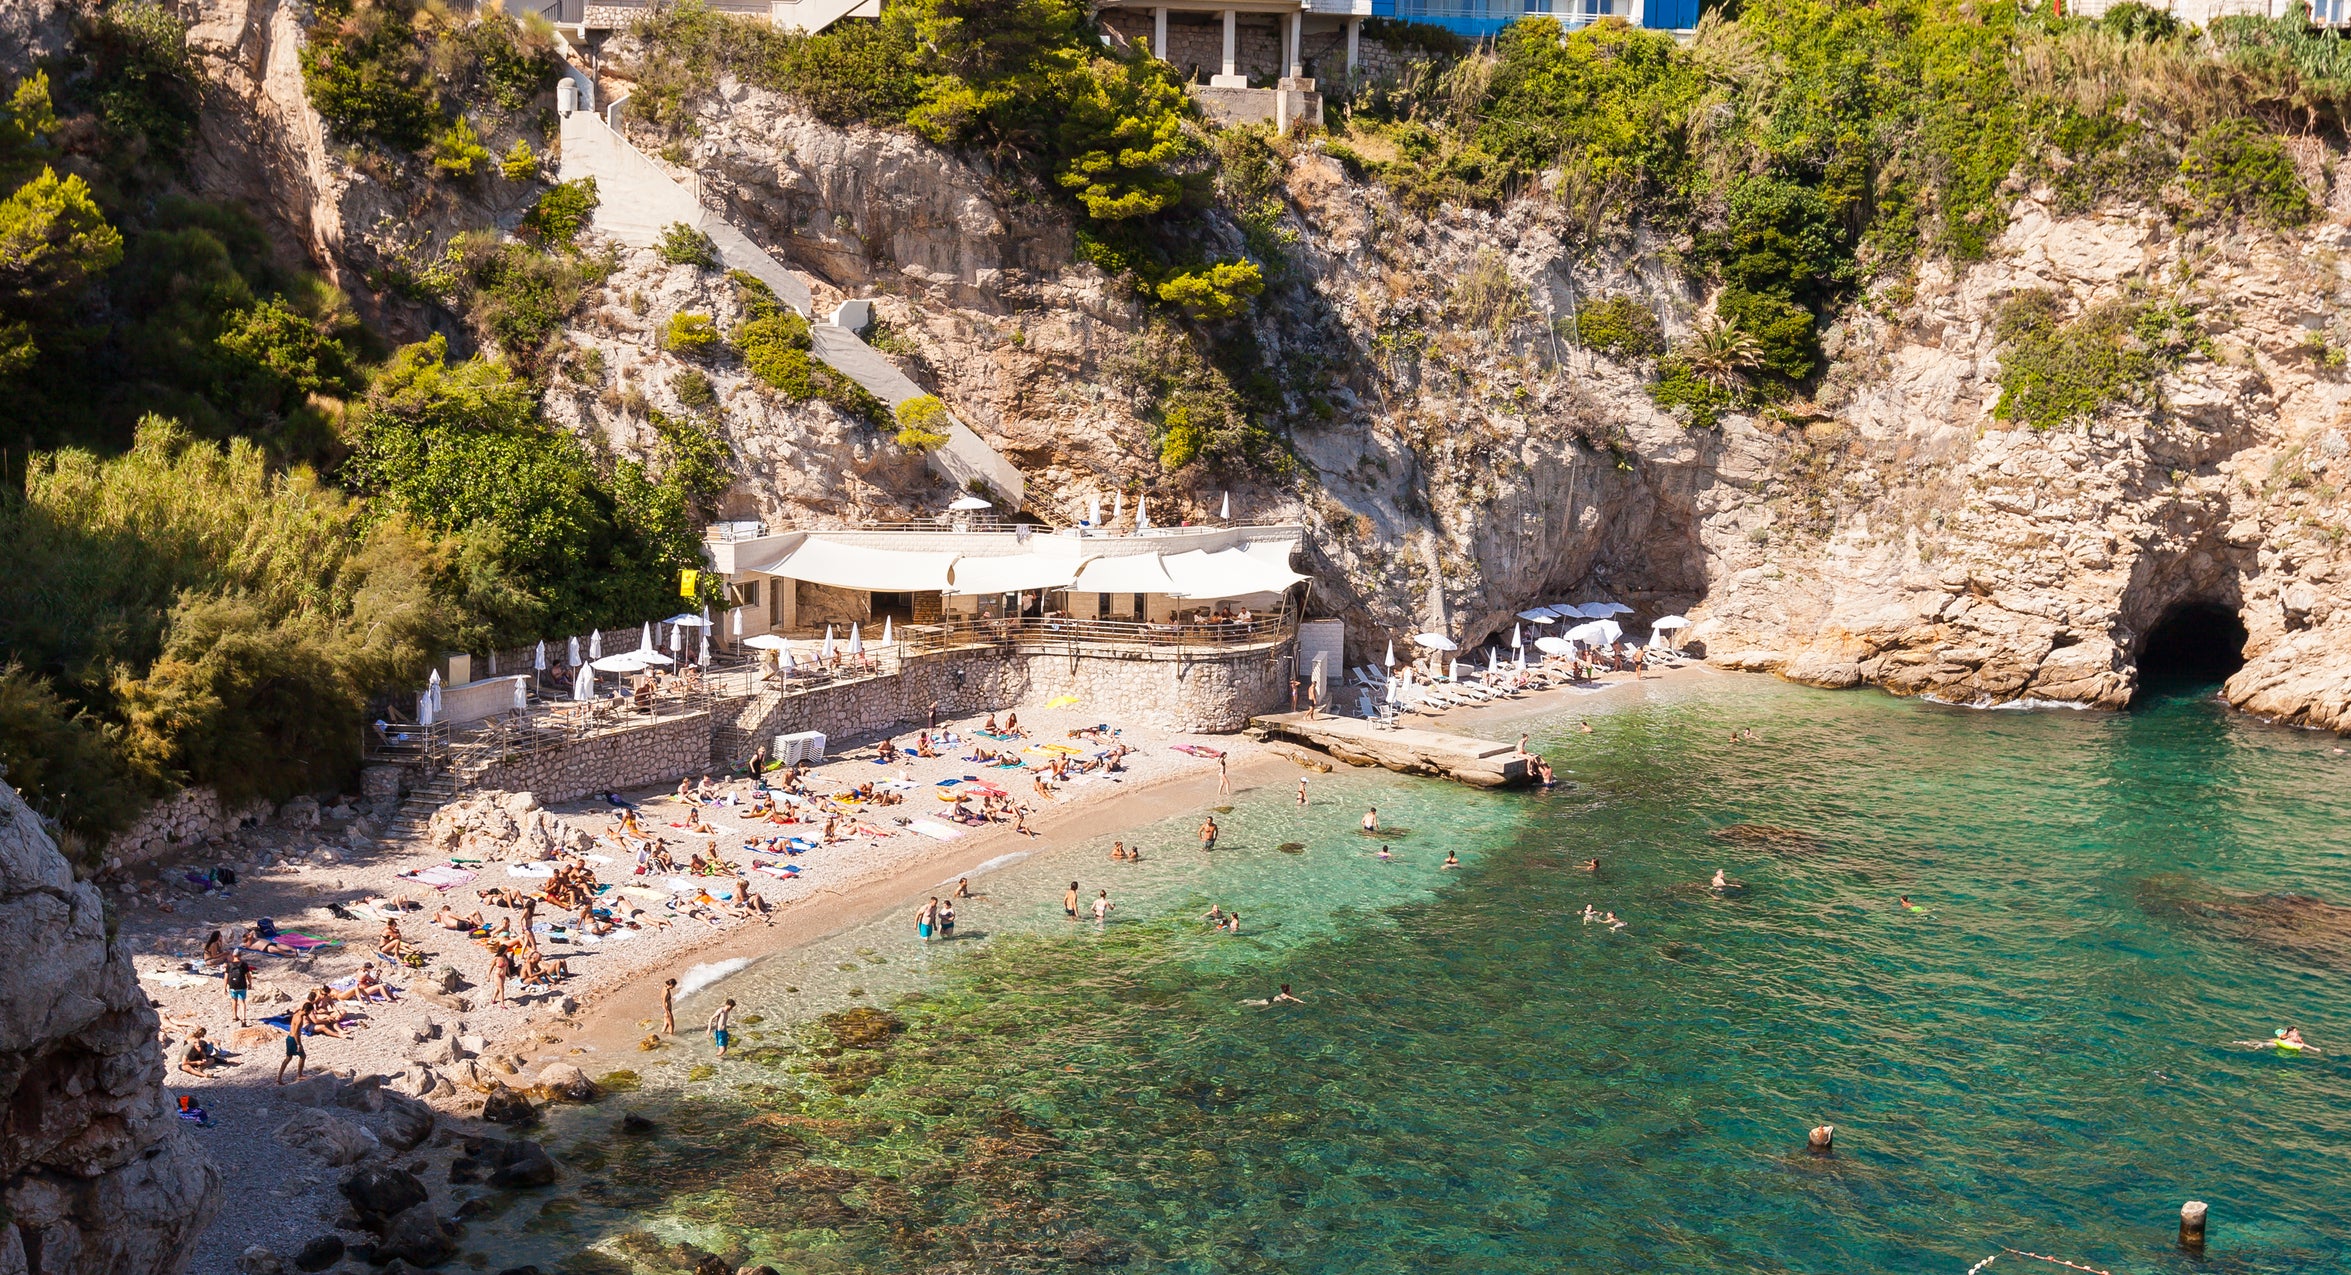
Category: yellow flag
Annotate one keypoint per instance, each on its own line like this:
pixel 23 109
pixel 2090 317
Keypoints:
pixel 687 580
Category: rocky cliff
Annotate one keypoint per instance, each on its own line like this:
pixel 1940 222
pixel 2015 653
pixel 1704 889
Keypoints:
pixel 1457 461
pixel 98 1176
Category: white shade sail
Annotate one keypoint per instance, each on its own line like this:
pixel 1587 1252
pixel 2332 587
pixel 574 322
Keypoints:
pixel 1013 573
pixel 857 567
pixel 1226 573
pixel 1125 573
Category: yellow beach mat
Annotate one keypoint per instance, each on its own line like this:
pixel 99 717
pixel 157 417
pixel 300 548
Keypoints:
pixel 1062 701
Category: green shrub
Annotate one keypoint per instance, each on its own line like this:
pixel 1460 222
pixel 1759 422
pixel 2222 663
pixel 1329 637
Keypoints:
pixel 521 163
pixel 2235 168
pixel 689 334
pixel 1621 328
pixel 776 348
pixel 59 759
pixel 2054 372
pixel 143 83
pixel 693 390
pixel 683 245
pixel 458 150
pixel 1220 291
pixel 922 423
pixel 517 297
pixel 1681 390
pixel 558 216
pixel 368 77
pixel 1785 340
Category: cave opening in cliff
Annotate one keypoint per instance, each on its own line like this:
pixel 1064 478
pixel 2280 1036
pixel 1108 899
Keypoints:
pixel 2194 645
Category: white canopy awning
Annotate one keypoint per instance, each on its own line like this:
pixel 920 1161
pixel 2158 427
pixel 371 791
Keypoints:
pixel 1124 573
pixel 856 567
pixel 1227 573
pixel 1012 573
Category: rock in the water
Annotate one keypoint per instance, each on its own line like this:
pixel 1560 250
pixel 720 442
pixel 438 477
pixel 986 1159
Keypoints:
pixel 518 1163
pixel 331 1138
pixel 257 1260
pixel 509 1107
pixel 319 1253
pixel 377 1192
pixel 562 1082
pixel 417 1236
pixel 634 1123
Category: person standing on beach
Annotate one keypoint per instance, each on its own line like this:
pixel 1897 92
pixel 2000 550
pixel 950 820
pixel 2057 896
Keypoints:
pixel 501 967
pixel 1102 907
pixel 934 716
pixel 669 1007
pixel 1069 901
pixel 238 978
pixel 1208 834
pixel 1224 777
pixel 1301 790
pixel 295 1022
pixel 719 1019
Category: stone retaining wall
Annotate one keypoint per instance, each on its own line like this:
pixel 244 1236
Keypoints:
pixel 1212 694
pixel 183 818
pixel 657 754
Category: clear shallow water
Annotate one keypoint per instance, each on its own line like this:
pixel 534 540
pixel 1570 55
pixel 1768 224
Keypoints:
pixel 1481 1082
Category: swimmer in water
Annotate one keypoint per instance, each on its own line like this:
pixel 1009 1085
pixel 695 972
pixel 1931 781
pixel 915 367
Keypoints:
pixel 1590 915
pixel 1591 865
pixel 1721 882
pixel 2291 1037
pixel 1908 906
pixel 1371 819
pixel 1452 860
pixel 1383 855
pixel 1284 995
pixel 1583 727
pixel 1613 924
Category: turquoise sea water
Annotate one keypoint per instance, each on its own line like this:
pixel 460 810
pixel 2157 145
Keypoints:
pixel 1480 1081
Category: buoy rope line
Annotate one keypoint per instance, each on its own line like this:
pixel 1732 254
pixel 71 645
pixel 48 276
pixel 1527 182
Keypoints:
pixel 1982 1264
pixel 2056 1260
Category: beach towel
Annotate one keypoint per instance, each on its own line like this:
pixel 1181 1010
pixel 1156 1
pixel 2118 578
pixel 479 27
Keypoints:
pixel 1064 749
pixel 1196 750
pixel 306 942
pixel 646 893
pixel 1062 701
pixel 780 874
pixel 178 978
pixel 989 734
pixel 530 869
pixel 935 830
pixel 440 876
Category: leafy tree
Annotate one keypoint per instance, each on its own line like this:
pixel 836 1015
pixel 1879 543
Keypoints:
pixel 1121 130
pixel 59 758
pixel 27 124
pixel 458 150
pixel 52 238
pixel 683 245
pixel 922 423
pixel 1220 291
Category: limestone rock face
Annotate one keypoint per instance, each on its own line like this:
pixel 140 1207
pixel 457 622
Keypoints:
pixel 98 1176
pixel 502 825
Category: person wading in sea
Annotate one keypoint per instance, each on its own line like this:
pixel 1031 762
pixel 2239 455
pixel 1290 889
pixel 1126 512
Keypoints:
pixel 1069 901
pixel 1208 834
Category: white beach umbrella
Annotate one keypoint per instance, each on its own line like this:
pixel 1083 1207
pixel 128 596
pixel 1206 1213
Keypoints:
pixel 1434 642
pixel 787 663
pixel 1224 511
pixel 704 659
pixel 1490 668
pixel 1554 646
pixel 1118 505
pixel 1522 656
pixel 583 683
pixel 1516 637
pixel 1538 615
pixel 522 698
pixel 1142 513
pixel 1391 652
pixel 424 703
pixel 1454 670
pixel 1584 633
pixel 645 641
pixel 574 658
pixel 1392 688
pixel 967 504
pixel 1610 630
pixel 887 629
pixel 539 661
pixel 826 654
pixel 687 618
pixel 677 639
pixel 1094 510
pixel 767 642
pixel 1670 622
pixel 856 643
pixel 737 620
pixel 625 662
pixel 595 644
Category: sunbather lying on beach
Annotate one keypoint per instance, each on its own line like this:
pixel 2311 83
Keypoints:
pixel 252 941
pixel 448 918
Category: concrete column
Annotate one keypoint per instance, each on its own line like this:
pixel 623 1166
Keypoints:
pixel 1640 13
pixel 1296 67
pixel 1159 33
pixel 1232 77
pixel 1354 40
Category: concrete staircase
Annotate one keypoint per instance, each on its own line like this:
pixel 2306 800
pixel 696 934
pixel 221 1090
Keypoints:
pixel 638 199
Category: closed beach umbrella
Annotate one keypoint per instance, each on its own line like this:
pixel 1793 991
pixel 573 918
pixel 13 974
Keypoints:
pixel 738 621
pixel 583 684
pixel 424 702
pixel 856 643
pixel 574 658
pixel 1142 513
pixel 1391 652
pixel 1522 656
pixel 1224 512
pixel 1118 504
pixel 1490 661
pixel 1094 510
pixel 887 621
pixel 595 644
pixel 521 697
pixel 645 641
pixel 826 654
pixel 705 660
pixel 1454 671
pixel 539 661
pixel 788 662
pixel 1517 637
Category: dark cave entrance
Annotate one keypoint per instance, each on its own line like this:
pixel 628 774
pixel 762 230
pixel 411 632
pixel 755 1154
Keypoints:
pixel 2194 646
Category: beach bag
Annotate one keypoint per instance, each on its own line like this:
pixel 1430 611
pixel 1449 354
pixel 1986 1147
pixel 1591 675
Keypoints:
pixel 267 927
pixel 225 876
